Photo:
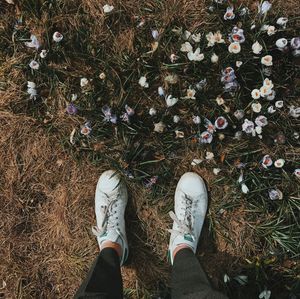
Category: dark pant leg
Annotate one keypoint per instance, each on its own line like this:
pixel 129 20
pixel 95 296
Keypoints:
pixel 104 280
pixel 189 281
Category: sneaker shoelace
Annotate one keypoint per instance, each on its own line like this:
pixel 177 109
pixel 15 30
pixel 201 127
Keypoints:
pixel 184 227
pixel 109 221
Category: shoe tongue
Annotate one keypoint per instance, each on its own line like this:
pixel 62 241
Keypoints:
pixel 111 235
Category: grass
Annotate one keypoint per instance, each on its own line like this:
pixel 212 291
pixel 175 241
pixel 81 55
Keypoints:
pixel 47 183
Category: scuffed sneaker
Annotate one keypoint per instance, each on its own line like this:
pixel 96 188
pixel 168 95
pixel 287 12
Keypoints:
pixel 190 210
pixel 110 204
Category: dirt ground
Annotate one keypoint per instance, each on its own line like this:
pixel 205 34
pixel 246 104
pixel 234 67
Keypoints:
pixel 47 210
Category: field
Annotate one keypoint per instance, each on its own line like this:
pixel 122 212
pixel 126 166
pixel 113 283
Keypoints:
pixel 124 87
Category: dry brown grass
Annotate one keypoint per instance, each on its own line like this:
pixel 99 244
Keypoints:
pixel 47 198
pixel 47 212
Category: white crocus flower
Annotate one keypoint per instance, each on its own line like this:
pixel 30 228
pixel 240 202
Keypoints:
pixel 195 56
pixel 267 60
pixel 196 119
pixel 265 91
pixel 57 37
pixel 143 82
pixel 43 54
pixel 221 123
pixel 271 30
pixel 258 130
pixel 84 82
pixel 294 111
pixel 108 8
pixel 161 91
pixel 152 111
pixel 74 97
pixel 229 14
pixel 209 155
pixel 264 7
pixel 271 96
pixel 275 194
pixel 155 34
pixel 170 101
pixel 216 171
pixel 279 163
pixel 173 57
pixel 34 43
pixel 281 43
pixel 218 38
pixel 239 114
pixel 257 48
pixel 102 76
pixel 196 37
pixel 31 84
pixel 186 47
pixel 238 63
pixel 31 89
pixel 266 161
pixel 159 127
pixel 261 121
pixel 297 172
pixel 234 48
pixel 211 39
pixel 282 21
pixel 179 134
pixel 248 126
pixel 176 119
pixel 271 110
pixel 264 27
pixel 268 83
pixel 220 101
pixel 190 94
pixel 279 104
pixel 226 278
pixel 255 93
pixel 245 189
pixel 186 35
pixel 34 65
pixel 256 107
pixel 214 58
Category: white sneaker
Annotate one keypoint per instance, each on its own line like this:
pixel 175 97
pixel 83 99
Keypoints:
pixel 110 203
pixel 190 210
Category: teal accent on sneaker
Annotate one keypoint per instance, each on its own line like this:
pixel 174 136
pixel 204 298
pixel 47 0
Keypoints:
pixel 169 256
pixel 188 237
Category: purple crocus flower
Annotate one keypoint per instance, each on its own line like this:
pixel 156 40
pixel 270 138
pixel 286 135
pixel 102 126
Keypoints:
pixel 152 181
pixel 71 109
pixel 237 35
pixel 106 110
pixel 125 117
pixel 295 43
pixel 129 110
pixel 86 129
pixel 108 116
pixel 113 119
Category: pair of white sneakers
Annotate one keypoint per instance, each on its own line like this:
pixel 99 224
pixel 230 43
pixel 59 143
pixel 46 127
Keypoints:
pixel 190 210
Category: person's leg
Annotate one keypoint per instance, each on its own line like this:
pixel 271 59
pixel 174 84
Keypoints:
pixel 104 279
pixel 189 280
